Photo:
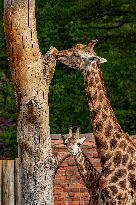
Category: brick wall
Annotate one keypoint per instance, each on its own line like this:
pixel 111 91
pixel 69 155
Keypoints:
pixel 69 188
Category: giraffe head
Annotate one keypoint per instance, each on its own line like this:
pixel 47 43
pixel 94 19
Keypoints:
pixel 80 55
pixel 73 142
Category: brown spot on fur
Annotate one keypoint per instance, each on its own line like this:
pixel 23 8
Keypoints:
pixel 120 173
pixel 123 144
pixel 105 158
pixel 108 130
pixel 119 197
pixel 94 97
pixel 99 126
pixel 99 87
pixel 132 180
pixel 125 159
pixel 101 144
pixel 117 135
pixel 123 184
pixel 97 80
pixel 113 143
pixel 107 171
pixel 113 189
pixel 131 166
pixel 131 151
pixel 117 158
pixel 93 114
pixel 91 82
pixel 94 198
pixel 100 97
pixel 88 73
pixel 106 108
pixel 89 96
pixel 105 193
pixel 104 117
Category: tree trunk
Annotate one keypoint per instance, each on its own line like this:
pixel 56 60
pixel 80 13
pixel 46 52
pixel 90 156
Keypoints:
pixel 30 77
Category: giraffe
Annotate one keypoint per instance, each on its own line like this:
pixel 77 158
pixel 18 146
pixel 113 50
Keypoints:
pixel 86 169
pixel 116 150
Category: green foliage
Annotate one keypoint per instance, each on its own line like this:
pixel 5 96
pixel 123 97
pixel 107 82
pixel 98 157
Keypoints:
pixel 8 135
pixel 64 23
pixel 7 101
pixel 67 101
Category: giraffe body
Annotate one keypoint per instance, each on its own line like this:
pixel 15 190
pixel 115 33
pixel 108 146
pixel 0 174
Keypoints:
pixel 117 184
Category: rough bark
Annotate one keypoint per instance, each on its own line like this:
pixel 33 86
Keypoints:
pixel 31 74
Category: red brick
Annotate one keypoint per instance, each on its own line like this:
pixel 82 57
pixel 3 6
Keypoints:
pixel 73 203
pixel 73 198
pixel 61 172
pixel 71 194
pixel 78 194
pixel 76 203
pixel 57 189
pixel 86 202
pixel 74 185
pixel 60 203
pixel 59 199
pixel 75 189
pixel 84 198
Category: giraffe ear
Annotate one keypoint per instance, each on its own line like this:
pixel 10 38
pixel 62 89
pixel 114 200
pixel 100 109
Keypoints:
pixel 77 132
pixel 80 141
pixel 92 44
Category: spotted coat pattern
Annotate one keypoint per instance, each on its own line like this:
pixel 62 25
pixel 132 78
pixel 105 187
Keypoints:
pixel 117 184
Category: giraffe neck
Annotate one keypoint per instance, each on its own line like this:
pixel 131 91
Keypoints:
pixel 86 169
pixel 107 131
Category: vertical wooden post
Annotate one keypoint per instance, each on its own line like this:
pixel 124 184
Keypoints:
pixel 8 182
pixel 17 182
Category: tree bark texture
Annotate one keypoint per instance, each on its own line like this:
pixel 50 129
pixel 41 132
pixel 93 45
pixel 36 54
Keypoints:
pixel 31 74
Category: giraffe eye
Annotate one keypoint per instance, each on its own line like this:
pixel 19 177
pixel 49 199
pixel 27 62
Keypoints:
pixel 91 58
pixel 76 54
